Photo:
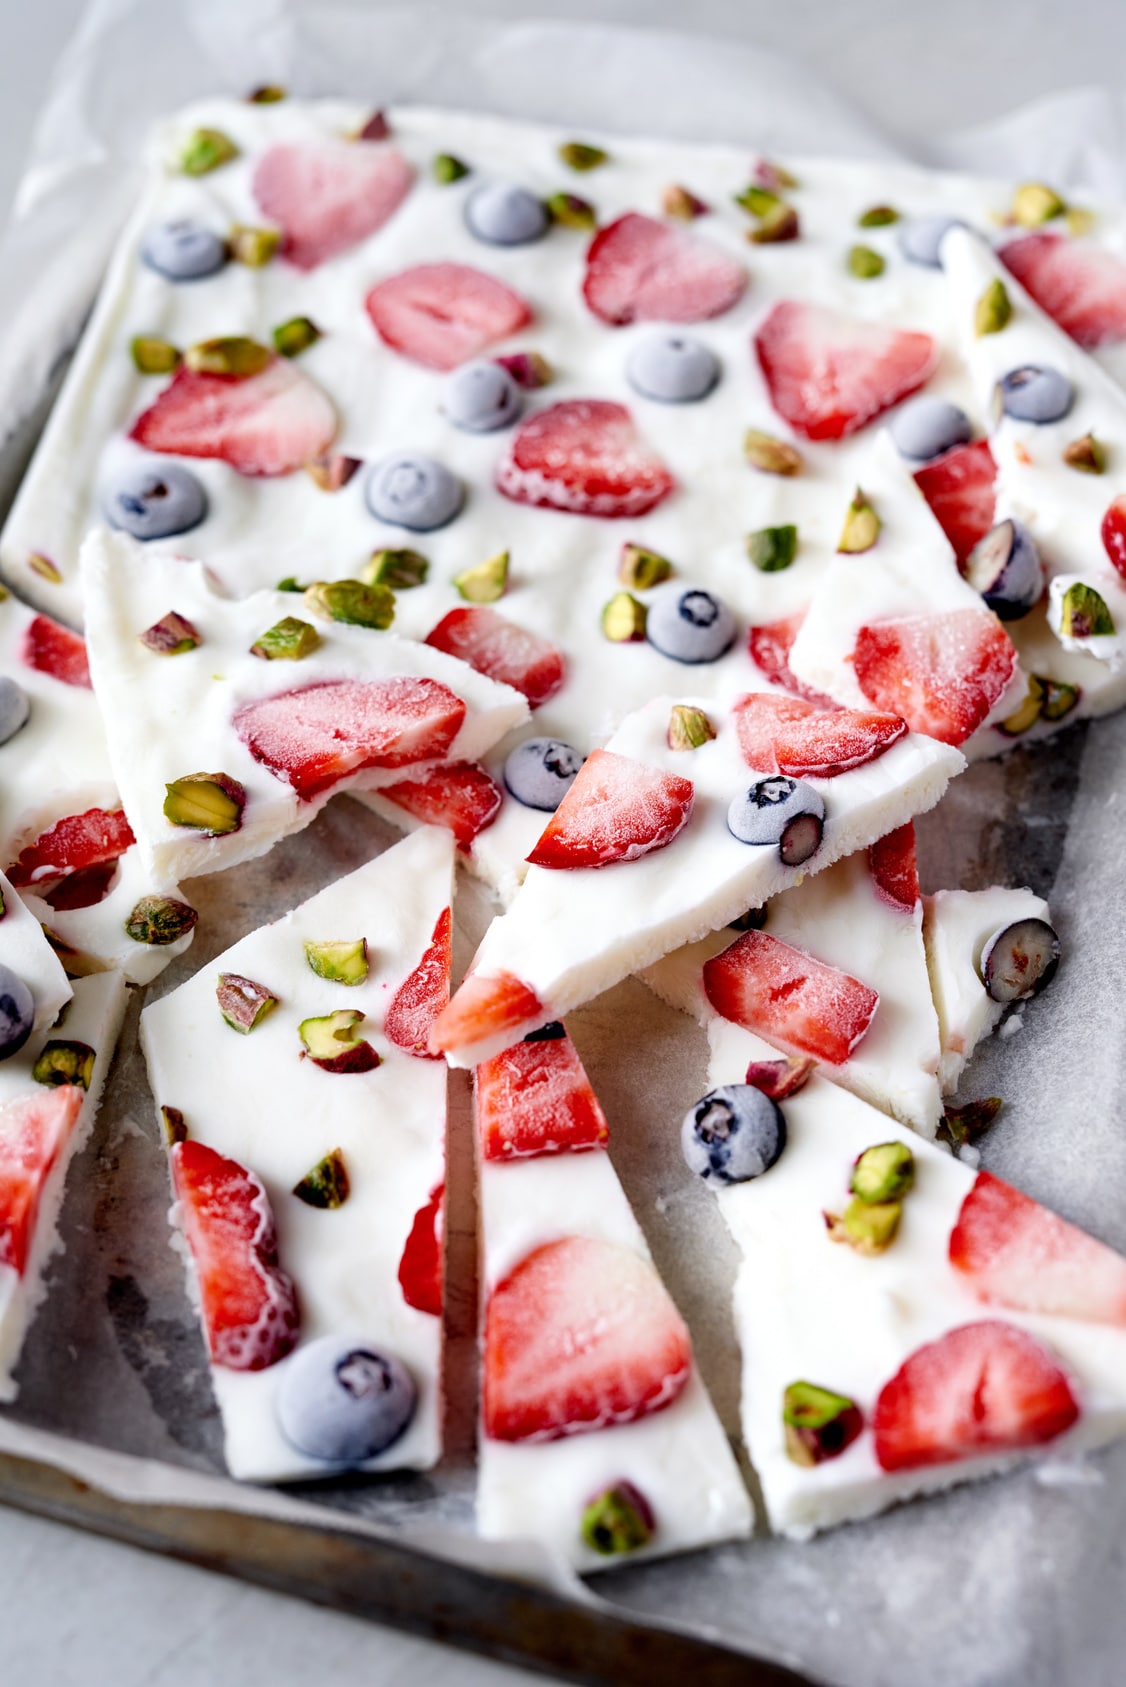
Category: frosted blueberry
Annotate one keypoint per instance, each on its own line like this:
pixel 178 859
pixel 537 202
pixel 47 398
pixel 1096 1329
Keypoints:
pixel 672 368
pixel 1035 394
pixel 732 1134
pixel 17 1012
pixel 502 214
pixel 540 771
pixel 154 500
pixel 1005 568
pixel 920 238
pixel 14 708
pixel 183 250
pixel 344 1401
pixel 689 624
pixel 481 397
pixel 925 427
pixel 781 811
pixel 411 490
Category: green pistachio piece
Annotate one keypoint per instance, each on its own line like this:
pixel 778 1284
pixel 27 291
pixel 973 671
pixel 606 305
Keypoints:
pixel 772 175
pixel 234 355
pixel 570 211
pixel 770 455
pixel 172 635
pixel 288 640
pixel 780 1079
pixel 868 1226
pixel 160 920
pixel 340 963
pixel 780 223
pixel 861 526
pixel 528 369
pixel 884 1172
pixel 153 356
pixel 65 1062
pixel 877 216
pixel 400 570
pixel 208 802
pixel 1084 614
pixel 268 94
pixel 994 309
pixel 1079 221
pixel 759 201
pixel 1086 454
pixel 865 263
pixel 618 1520
pixel 172 1122
pixel 352 602
pixel 45 568
pixel 624 618
pixel 1028 712
pixel 961 1125
pixel 688 728
pixel 485 582
pixel 773 548
pixel 326 1185
pixel 295 336
pixel 290 584
pixel 579 155
pixel 253 247
pixel 818 1423
pixel 446 168
pixel 243 1003
pixel 1059 699
pixel 1035 203
pixel 332 1042
pixel 206 150
pixel 642 569
pixel 332 472
pixel 682 203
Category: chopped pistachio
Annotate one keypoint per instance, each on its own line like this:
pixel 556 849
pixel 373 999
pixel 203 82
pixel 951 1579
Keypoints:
pixel 206 149
pixel 65 1062
pixel 208 802
pixel 253 247
pixel 770 455
pixel 688 728
pixel 172 635
pixel 376 128
pixel 1035 203
pixel 486 581
pixel 1084 613
pixel 861 526
pixel 243 1003
pixel 779 1079
pixel 175 1130
pixel 446 168
pixel 268 94
pixel 642 569
pixel 579 155
pixel 153 356
pixel 759 201
pixel 1059 699
pixel 1079 221
pixel 295 336
pixel 884 1172
pixel 332 1042
pixel 528 369
pixel 1086 454
pixel 160 920
pixel 782 223
pixel 773 548
pixel 326 1185
pixel 774 176
pixel 865 263
pixel 819 1424
pixel 960 1125
pixel 45 568
pixel 682 203
pixel 570 211
pixel 332 472
pixel 877 216
pixel 288 640
pixel 352 602
pixel 868 1226
pixel 400 570
pixel 339 962
pixel 994 309
pixel 233 355
pixel 618 1520
pixel 624 618
pixel 290 584
pixel 1027 713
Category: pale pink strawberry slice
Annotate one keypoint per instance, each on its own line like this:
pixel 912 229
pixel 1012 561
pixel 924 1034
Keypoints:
pixel 1114 534
pixel 319 734
pixel 641 270
pixel 420 1269
pixel 73 845
pixel 800 1004
pixel 942 672
pixel 789 735
pixel 617 809
pixel 1018 1254
pixel 485 1007
pixel 585 456
pixel 502 651
pixel 581 1335
pixel 420 998
pixel 770 647
pixel 960 487
pixel 459 795
pixel 327 195
pixel 248 1303
pixel 536 1098
pixel 1081 287
pixel 828 374
pixel 52 649
pixel 895 869
pixel 441 315
pixel 34 1129
pixel 262 425
pixel 980 1389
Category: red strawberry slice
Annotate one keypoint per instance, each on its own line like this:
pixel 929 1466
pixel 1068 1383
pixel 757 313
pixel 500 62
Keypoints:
pixel 460 795
pixel 441 315
pixel 788 735
pixel 894 868
pixel 72 845
pixel 981 1388
pixel 581 1335
pixel 1114 534
pixel 318 734
pixel 327 195
pixel 34 1129
pixel 828 374
pixel 960 488
pixel 1018 1254
pixel 420 998
pixel 536 1098
pixel 51 649
pixel 800 1004
pixel 770 647
pixel 640 270
pixel 420 1269
pixel 502 651
pixel 486 1007
pixel 1081 287
pixel 943 672
pixel 248 1303
pixel 584 456
pixel 262 425
pixel 617 809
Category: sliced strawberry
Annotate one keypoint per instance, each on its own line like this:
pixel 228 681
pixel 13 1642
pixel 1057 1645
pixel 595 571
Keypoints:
pixel 536 1098
pixel 318 734
pixel 770 647
pixel 420 998
pixel 441 315
pixel 943 673
pixel 51 649
pixel 581 1335
pixel 34 1129
pixel 420 1269
pixel 502 651
pixel 960 488
pixel 1081 287
pixel 459 795
pixel 248 1303
pixel 585 456
pixel 326 195
pixel 640 270
pixel 895 869
pixel 800 1004
pixel 828 374
pixel 617 809
pixel 80 841
pixel 980 1389
pixel 266 424
pixel 788 735
pixel 485 1007
pixel 1114 534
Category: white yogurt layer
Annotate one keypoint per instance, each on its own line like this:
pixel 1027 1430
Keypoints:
pixel 27 952
pixel 254 1099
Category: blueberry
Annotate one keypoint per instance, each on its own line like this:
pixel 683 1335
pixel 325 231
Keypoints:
pixel 1035 394
pixel 481 397
pixel 781 811
pixel 732 1134
pixel 689 624
pixel 344 1401
pixel 1005 568
pixel 1019 960
pixel 925 427
pixel 14 708
pixel 410 490
pixel 502 214
pixel 673 368
pixel 540 771
pixel 920 238
pixel 183 250
pixel 155 500
pixel 17 1012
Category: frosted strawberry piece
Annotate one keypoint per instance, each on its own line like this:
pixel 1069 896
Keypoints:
pixel 895 869
pixel 459 795
pixel 790 998
pixel 34 1130
pixel 770 647
pixel 440 315
pixel 73 845
pixel 536 1098
pixel 642 270
pixel 248 1303
pixel 1113 533
pixel 981 1388
pixel 789 735
pixel 489 1006
pixel 616 810
pixel 262 425
pixel 581 1335
pixel 1016 1253
pixel 585 456
pixel 829 374
pixel 1081 287
pixel 420 998
pixel 420 1269
pixel 943 673
pixel 960 487
pixel 53 649
pixel 327 195
pixel 502 651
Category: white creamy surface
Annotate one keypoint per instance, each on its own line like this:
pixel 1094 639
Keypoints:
pixel 24 948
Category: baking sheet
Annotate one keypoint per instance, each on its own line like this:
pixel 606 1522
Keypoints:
pixel 1013 1581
